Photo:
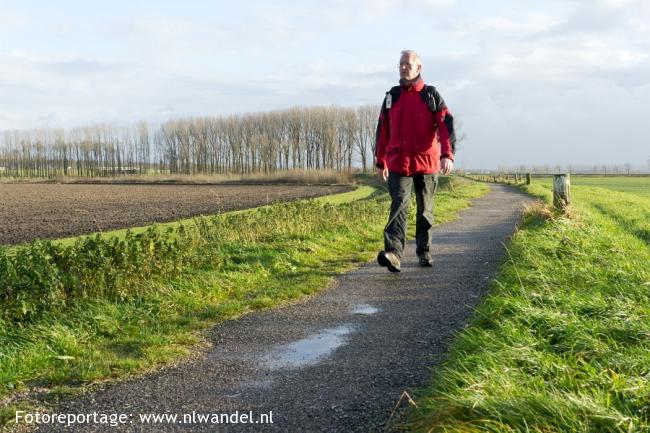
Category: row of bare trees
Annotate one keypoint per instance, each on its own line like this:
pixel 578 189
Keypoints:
pixel 101 150
pixel 333 138
pixel 604 169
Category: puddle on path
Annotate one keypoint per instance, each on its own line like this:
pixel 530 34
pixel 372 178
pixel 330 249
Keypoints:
pixel 257 384
pixel 364 309
pixel 309 350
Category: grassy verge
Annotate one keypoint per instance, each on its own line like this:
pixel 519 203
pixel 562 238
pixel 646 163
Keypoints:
pixel 249 261
pixel 359 193
pixel 562 343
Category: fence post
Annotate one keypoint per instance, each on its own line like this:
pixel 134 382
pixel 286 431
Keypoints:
pixel 561 191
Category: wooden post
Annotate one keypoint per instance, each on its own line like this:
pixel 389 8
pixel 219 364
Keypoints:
pixel 528 178
pixel 561 191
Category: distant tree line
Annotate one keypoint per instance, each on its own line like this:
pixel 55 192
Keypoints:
pixel 600 169
pixel 297 138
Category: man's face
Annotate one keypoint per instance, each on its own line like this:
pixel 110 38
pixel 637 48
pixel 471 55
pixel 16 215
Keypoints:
pixel 408 67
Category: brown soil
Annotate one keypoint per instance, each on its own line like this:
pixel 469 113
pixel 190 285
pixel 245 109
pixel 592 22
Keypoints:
pixel 46 211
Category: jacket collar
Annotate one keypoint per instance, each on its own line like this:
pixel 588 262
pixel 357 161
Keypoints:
pixel 416 86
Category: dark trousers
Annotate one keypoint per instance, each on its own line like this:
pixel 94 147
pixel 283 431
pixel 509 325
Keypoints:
pixel 399 188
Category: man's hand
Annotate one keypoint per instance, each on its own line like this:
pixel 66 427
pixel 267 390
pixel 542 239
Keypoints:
pixel 446 165
pixel 383 173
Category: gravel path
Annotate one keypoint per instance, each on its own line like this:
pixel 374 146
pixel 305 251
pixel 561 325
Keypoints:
pixel 335 362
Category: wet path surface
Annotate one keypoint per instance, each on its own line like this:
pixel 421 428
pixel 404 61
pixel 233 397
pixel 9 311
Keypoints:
pixel 335 362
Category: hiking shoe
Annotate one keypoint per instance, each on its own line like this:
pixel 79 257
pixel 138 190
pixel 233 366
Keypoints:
pixel 425 260
pixel 389 259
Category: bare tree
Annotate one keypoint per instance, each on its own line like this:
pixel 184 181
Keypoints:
pixel 365 133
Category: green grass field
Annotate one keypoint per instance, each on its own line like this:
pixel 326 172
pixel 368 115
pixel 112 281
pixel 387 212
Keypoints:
pixel 153 322
pixel 639 185
pixel 562 342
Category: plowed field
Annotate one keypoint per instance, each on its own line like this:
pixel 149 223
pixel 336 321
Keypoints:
pixel 51 211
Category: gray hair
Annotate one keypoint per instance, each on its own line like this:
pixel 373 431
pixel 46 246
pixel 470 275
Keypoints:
pixel 414 54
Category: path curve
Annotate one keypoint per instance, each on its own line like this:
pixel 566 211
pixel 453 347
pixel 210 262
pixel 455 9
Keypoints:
pixel 337 361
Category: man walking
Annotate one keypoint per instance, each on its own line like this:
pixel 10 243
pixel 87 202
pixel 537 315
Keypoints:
pixel 415 141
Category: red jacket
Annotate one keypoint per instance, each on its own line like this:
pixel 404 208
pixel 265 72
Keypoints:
pixel 410 138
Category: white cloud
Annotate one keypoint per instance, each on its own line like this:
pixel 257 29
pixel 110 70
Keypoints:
pixel 566 60
pixel 516 25
pixel 431 4
pixel 618 4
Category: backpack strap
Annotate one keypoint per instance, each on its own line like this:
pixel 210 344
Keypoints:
pixel 391 97
pixel 433 99
pixel 435 102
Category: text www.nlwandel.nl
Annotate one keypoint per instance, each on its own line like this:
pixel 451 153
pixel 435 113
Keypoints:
pixel 117 419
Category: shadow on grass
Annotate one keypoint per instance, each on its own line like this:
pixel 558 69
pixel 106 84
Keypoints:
pixel 629 225
pixel 130 349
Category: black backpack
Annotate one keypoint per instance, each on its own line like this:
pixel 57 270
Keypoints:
pixel 435 102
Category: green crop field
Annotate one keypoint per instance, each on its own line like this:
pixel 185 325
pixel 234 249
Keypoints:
pixel 639 185
pixel 562 341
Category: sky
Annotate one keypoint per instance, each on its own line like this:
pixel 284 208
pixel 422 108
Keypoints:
pixel 530 82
